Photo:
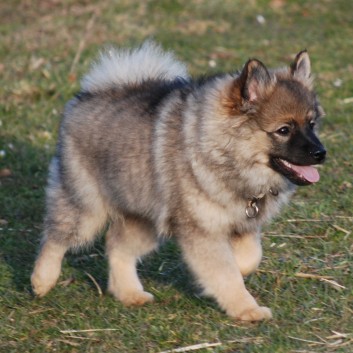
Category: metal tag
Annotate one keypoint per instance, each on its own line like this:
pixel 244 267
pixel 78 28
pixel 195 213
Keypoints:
pixel 252 210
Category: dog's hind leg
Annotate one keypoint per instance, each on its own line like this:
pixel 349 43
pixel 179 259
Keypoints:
pixel 47 267
pixel 69 223
pixel 128 239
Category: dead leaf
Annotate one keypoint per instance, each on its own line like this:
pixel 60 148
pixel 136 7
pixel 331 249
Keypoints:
pixel 277 4
pixel 5 172
pixel 67 282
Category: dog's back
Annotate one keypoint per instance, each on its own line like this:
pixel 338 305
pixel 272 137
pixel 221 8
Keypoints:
pixel 109 130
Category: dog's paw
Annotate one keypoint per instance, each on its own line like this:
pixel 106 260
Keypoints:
pixel 255 314
pixel 47 268
pixel 41 286
pixel 136 298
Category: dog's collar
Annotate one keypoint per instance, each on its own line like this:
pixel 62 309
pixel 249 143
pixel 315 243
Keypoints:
pixel 252 208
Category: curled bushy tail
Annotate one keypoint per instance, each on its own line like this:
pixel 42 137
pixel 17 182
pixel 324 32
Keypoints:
pixel 130 66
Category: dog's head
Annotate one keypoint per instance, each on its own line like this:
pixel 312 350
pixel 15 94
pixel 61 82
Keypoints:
pixel 284 106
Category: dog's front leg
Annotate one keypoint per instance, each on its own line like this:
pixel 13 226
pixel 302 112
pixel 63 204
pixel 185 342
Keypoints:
pixel 212 259
pixel 247 251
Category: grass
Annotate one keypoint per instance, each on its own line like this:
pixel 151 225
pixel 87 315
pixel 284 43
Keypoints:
pixel 45 47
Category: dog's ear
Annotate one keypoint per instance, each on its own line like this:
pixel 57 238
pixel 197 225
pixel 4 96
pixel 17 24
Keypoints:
pixel 254 80
pixel 248 88
pixel 301 68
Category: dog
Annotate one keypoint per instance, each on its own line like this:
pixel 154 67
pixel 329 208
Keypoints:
pixel 154 153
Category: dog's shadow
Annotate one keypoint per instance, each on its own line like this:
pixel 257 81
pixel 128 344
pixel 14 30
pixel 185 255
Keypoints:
pixel 167 268
pixel 159 270
pixel 22 190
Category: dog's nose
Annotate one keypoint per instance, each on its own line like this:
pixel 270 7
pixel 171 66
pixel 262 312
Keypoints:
pixel 319 155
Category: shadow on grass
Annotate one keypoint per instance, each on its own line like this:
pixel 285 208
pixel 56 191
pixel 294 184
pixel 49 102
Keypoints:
pixel 21 207
pixel 162 272
pixel 167 268
pixel 162 269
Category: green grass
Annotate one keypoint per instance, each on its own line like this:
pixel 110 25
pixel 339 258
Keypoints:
pixel 38 74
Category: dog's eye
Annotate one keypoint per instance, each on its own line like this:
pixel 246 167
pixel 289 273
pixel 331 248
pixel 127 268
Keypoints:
pixel 283 131
pixel 312 124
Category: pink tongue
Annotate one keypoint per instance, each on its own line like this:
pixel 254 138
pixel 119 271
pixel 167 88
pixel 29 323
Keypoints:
pixel 310 173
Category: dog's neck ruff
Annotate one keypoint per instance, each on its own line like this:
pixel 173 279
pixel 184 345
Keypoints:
pixel 252 208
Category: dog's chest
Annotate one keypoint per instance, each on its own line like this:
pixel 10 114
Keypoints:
pixel 241 215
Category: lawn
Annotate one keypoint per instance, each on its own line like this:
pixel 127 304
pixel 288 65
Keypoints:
pixel 306 273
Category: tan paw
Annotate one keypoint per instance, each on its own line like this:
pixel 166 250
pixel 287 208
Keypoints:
pixel 136 298
pixel 255 314
pixel 41 286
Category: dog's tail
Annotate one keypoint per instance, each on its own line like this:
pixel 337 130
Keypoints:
pixel 117 67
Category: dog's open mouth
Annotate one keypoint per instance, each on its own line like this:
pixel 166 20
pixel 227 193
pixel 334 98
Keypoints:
pixel 297 174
